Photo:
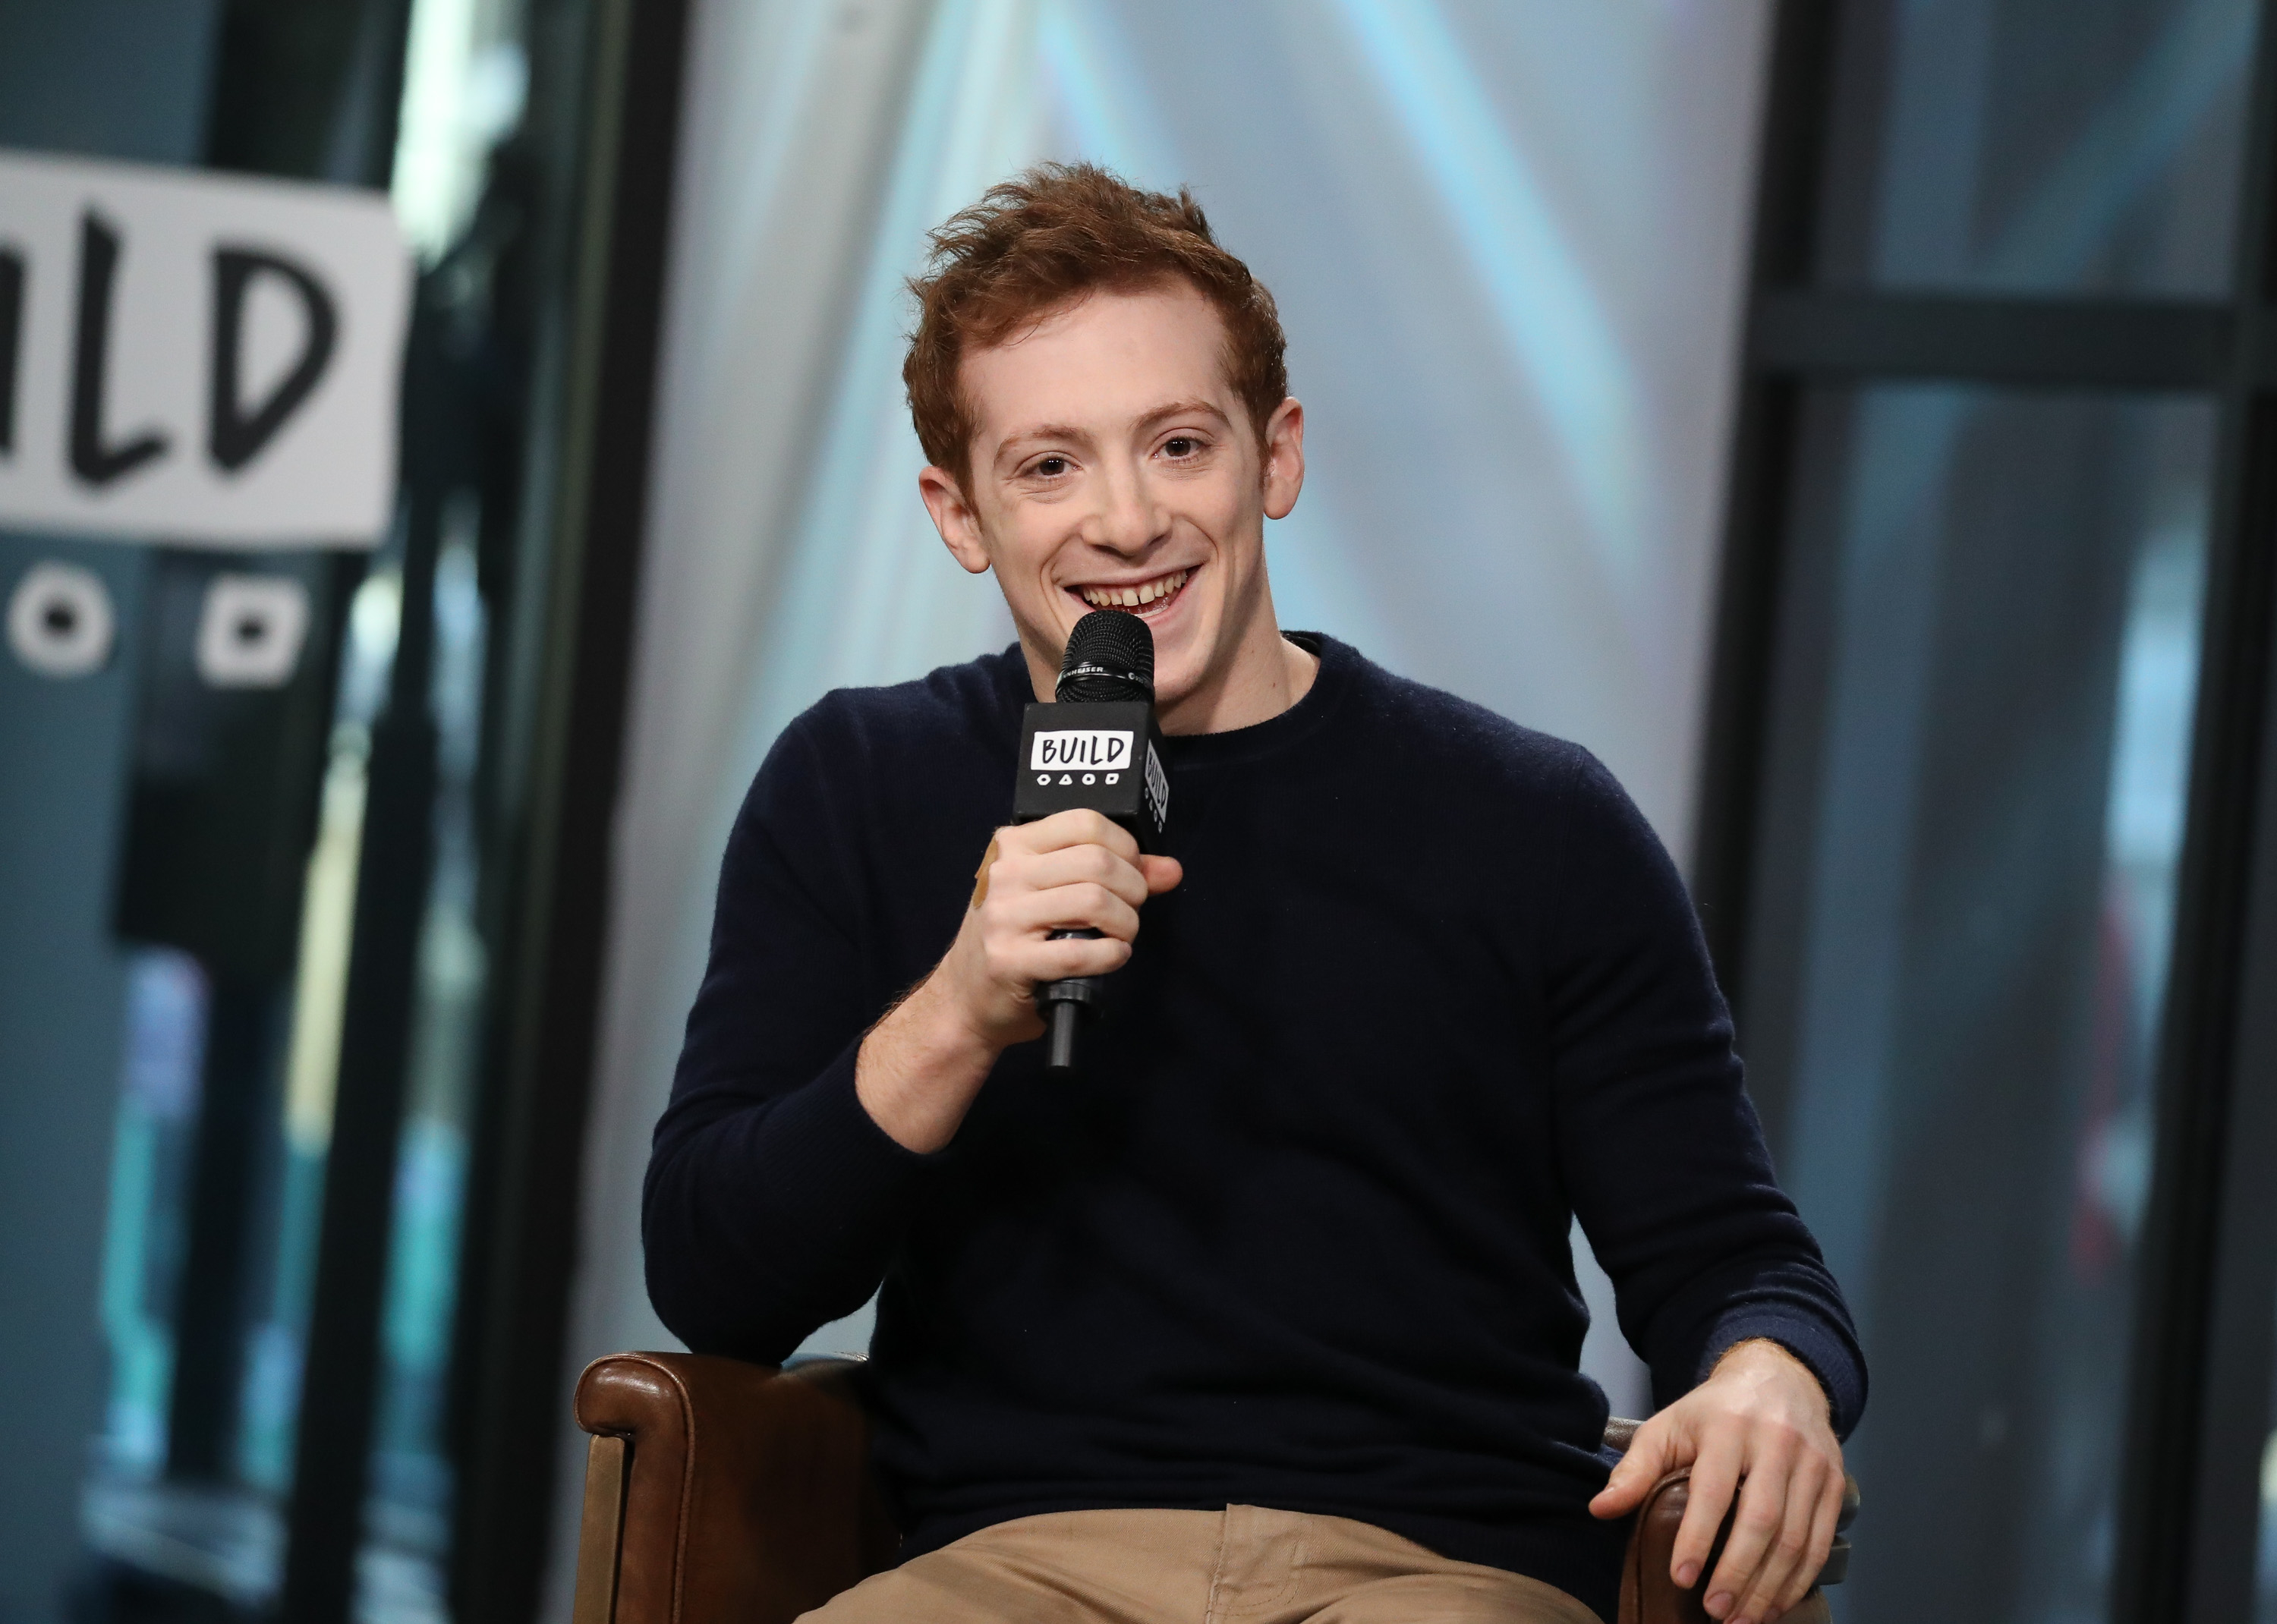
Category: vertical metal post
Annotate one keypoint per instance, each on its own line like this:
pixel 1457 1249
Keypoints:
pixel 210 1310
pixel 510 1390
pixel 1796 98
pixel 2172 1353
pixel 338 1389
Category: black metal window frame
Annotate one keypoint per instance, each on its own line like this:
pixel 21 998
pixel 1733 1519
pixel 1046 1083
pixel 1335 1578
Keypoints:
pixel 2205 1328
pixel 511 1391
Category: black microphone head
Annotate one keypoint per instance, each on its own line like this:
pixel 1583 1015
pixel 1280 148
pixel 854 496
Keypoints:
pixel 1110 658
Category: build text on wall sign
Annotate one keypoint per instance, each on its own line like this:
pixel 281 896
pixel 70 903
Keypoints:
pixel 197 358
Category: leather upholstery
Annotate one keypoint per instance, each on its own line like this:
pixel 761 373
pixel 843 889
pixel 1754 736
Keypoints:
pixel 748 1498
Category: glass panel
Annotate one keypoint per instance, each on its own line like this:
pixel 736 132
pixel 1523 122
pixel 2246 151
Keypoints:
pixel 2265 1610
pixel 2036 145
pixel 1987 673
pixel 180 857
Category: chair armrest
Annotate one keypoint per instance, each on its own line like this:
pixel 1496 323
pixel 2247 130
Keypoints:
pixel 740 1493
pixel 1649 1596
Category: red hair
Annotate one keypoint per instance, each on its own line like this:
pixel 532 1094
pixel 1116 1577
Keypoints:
pixel 1046 238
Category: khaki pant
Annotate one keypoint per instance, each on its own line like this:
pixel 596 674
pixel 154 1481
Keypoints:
pixel 1244 1565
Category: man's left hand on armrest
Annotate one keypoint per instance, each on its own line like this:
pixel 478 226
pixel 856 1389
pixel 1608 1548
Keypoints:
pixel 1759 1424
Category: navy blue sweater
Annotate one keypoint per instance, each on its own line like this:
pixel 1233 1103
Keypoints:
pixel 1298 1236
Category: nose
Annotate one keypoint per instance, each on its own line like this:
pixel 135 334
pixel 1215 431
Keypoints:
pixel 1128 521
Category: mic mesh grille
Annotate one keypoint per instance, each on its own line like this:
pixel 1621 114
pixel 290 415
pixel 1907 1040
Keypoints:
pixel 1110 656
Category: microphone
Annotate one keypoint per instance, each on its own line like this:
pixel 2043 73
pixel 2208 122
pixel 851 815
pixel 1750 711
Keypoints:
pixel 1095 748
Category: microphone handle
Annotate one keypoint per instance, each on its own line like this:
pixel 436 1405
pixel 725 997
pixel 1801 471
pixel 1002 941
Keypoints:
pixel 1065 1003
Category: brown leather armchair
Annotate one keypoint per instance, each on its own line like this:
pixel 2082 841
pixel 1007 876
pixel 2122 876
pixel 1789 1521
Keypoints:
pixel 719 1492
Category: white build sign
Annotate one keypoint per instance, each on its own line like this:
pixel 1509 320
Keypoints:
pixel 197 358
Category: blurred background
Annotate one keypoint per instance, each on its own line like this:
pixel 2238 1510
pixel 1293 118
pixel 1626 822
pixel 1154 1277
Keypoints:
pixel 1853 419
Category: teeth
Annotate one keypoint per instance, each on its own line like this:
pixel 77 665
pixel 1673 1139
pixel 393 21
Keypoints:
pixel 1134 597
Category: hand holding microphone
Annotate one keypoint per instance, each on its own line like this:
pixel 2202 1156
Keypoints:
pixel 1056 899
pixel 1096 748
pixel 1055 902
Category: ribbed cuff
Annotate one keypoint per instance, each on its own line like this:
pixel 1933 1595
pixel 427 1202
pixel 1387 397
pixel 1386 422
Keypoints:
pixel 1827 1356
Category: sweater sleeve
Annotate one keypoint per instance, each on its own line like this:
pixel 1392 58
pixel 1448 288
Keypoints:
pixel 1663 1153
pixel 773 1200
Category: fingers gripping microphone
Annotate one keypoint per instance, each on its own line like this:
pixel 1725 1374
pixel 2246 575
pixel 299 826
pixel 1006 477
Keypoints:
pixel 1096 747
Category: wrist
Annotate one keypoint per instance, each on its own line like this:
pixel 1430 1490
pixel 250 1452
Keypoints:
pixel 1760 1359
pixel 919 1067
pixel 934 1024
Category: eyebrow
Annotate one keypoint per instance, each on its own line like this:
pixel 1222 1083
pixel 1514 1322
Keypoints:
pixel 1183 408
pixel 1042 431
pixel 1012 444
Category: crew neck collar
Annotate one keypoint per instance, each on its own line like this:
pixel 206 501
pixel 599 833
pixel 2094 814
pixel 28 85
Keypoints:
pixel 1339 662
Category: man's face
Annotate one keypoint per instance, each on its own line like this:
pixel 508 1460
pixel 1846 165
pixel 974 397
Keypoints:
pixel 1113 466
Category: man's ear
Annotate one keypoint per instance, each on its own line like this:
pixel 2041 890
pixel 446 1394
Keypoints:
pixel 954 517
pixel 1284 457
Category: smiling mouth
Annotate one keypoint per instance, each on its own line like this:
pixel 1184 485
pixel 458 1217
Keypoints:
pixel 1140 597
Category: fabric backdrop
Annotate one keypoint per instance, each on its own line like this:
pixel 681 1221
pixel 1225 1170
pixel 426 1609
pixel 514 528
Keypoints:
pixel 1506 236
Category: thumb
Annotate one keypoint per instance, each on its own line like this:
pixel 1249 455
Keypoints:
pixel 1163 873
pixel 1648 1458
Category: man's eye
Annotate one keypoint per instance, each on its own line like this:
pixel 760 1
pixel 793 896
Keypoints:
pixel 1052 467
pixel 1182 445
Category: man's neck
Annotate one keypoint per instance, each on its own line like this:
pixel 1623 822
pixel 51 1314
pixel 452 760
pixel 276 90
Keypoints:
pixel 1269 680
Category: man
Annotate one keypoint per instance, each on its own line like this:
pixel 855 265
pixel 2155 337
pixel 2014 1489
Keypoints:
pixel 1270 1314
